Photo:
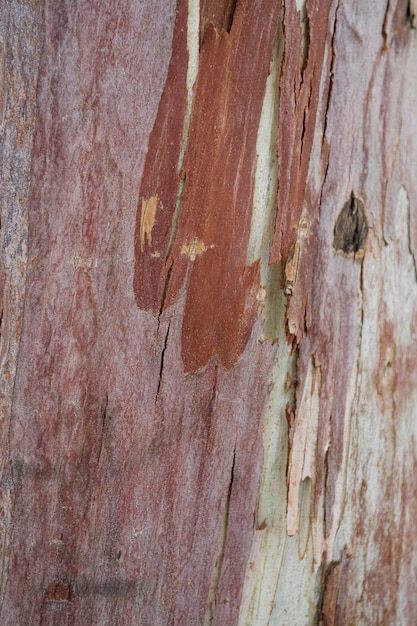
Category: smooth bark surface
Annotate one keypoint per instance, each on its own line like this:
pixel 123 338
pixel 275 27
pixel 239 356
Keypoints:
pixel 209 312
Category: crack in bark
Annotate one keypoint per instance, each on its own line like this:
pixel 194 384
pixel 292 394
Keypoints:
pixel 213 397
pixel 221 15
pixel 331 72
pixel 103 419
pixel 410 247
pixel 176 216
pixel 304 124
pixel 161 367
pixel 412 14
pixel 222 544
pixel 326 478
pixel 305 30
pixel 193 22
pixel 164 293
pixel 384 30
pixel 231 15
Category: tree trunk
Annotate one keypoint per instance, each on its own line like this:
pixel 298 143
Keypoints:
pixel 209 312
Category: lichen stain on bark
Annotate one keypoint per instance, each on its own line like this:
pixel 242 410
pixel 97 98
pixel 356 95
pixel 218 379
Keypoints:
pixel 216 204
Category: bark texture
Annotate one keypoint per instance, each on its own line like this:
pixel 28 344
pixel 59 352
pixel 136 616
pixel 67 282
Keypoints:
pixel 209 312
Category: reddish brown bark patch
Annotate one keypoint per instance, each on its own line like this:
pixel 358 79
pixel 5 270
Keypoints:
pixel 217 205
pixel 305 91
pixel 298 113
pixel 161 181
pixel 58 592
pixel 220 13
pixel 210 247
pixel 334 593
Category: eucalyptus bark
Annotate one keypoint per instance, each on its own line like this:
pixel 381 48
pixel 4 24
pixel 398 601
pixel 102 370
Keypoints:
pixel 209 312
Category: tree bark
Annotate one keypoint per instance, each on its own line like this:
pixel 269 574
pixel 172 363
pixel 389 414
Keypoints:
pixel 209 312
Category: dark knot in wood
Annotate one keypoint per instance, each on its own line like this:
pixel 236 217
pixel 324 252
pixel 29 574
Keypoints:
pixel 351 228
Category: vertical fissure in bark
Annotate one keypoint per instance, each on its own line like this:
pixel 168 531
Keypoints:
pixel 410 246
pixel 221 547
pixel 231 14
pixel 385 23
pixel 161 366
pixel 164 293
pixel 220 14
pixel 303 132
pixel 304 123
pixel 103 420
pixel 193 48
pixel 412 13
pixel 175 219
pixel 305 32
pixel 326 523
pixel 331 73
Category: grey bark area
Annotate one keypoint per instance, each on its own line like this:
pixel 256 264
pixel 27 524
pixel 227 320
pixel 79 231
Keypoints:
pixel 208 309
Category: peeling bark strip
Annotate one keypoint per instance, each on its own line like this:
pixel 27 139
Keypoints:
pixel 334 592
pixel 304 85
pixel 163 177
pixel 213 595
pixel 304 96
pixel 216 196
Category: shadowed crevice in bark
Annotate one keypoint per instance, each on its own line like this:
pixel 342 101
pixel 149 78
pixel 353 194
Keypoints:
pixel 175 218
pixel 164 293
pixel 161 368
pixel 331 77
pixel 412 14
pixel 103 419
pixel 222 544
pixel 410 244
pixel 218 12
pixel 305 29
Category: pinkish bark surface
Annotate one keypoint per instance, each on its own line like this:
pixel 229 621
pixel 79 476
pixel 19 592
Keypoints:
pixel 168 455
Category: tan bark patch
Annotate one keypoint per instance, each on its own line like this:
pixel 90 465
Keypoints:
pixel 194 249
pixel 147 219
